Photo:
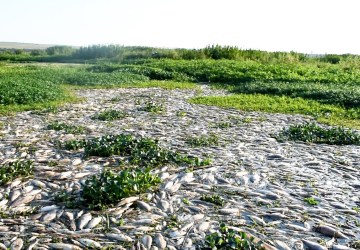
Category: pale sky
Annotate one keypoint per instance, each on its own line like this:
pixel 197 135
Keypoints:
pixel 308 26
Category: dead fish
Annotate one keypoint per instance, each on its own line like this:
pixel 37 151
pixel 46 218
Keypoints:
pixel 84 220
pixel 31 246
pixel 14 195
pixel 48 208
pixel 204 226
pixel 3 247
pixel 3 202
pixel 258 220
pixel 340 247
pixel 144 222
pixel 147 241
pixel 93 223
pixel 17 244
pixel 22 200
pixel 228 211
pixel 27 189
pixel 49 216
pixel 144 206
pixel 69 221
pixel 313 246
pixel 63 246
pixel 38 183
pixel 15 183
pixel 281 245
pixel 276 216
pixel 163 205
pixel 296 227
pixel 128 200
pixel 68 215
pixel 175 187
pixel 160 241
pixel 329 231
pixel 90 243
pixel 119 237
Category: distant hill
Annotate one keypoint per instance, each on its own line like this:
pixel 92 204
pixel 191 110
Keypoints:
pixel 24 46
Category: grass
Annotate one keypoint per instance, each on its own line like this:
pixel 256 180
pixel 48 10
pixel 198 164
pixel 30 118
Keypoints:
pixel 346 95
pixel 316 134
pixel 332 114
pixel 35 87
pixel 68 96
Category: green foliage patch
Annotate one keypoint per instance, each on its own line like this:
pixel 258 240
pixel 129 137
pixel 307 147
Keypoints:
pixel 313 133
pixel 109 115
pixel 12 170
pixel 230 239
pixel 203 140
pixel 311 201
pixel 144 152
pixel 346 95
pixel 70 129
pixel 333 114
pixel 23 90
pixel 153 107
pixel 215 199
pixel 109 188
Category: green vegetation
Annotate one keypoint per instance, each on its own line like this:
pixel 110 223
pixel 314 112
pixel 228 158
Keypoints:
pixel 215 199
pixel 316 134
pixel 311 201
pixel 326 87
pixel 109 115
pixel 331 114
pixel 74 144
pixel 109 187
pixel 69 129
pixel 153 107
pixel 229 239
pixel 12 170
pixel 223 125
pixel 203 140
pixel 144 152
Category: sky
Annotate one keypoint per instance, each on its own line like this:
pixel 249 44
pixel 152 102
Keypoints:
pixel 307 26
